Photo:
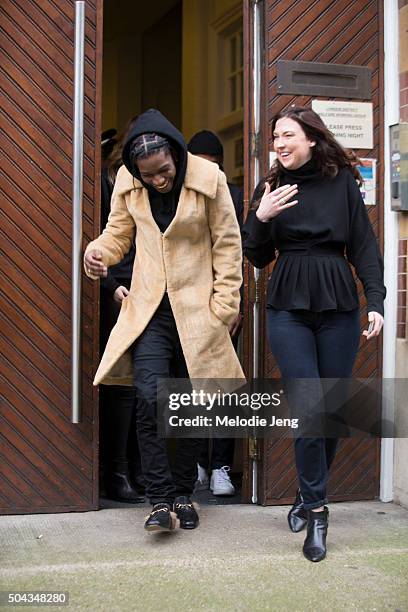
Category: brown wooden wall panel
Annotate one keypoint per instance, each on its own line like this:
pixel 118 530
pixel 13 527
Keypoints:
pixel 354 474
pixel 47 463
pixel 333 31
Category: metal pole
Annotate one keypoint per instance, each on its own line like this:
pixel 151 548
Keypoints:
pixel 257 79
pixel 77 195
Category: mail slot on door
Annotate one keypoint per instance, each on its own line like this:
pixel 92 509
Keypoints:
pixel 399 166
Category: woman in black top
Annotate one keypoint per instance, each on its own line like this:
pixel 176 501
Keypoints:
pixel 309 209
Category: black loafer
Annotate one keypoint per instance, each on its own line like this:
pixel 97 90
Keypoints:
pixel 297 517
pixel 314 548
pixel 186 513
pixel 159 519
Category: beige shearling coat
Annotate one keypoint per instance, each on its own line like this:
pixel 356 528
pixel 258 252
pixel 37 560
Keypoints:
pixel 197 260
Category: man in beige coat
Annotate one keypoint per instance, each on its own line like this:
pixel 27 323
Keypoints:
pixel 183 297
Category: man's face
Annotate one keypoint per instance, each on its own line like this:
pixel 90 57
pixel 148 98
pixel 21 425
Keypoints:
pixel 158 170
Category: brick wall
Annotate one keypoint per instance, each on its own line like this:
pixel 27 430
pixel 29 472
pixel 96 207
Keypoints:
pixel 403 217
pixel 404 96
pixel 403 58
pixel 402 287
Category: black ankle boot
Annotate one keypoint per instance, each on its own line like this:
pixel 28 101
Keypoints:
pixel 136 477
pixel 314 547
pixel 119 487
pixel 297 517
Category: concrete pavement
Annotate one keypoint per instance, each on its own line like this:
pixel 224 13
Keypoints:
pixel 242 557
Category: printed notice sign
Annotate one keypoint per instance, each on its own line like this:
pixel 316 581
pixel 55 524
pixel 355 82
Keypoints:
pixel 350 122
pixel 367 169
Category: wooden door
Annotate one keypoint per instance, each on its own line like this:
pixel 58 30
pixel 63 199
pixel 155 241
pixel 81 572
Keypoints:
pixel 48 464
pixel 337 32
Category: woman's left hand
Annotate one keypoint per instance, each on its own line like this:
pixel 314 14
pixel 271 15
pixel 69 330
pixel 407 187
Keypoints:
pixel 376 321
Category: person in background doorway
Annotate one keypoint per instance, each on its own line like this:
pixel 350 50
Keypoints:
pixel 309 208
pixel 108 142
pixel 119 446
pixel 184 294
pixel 207 145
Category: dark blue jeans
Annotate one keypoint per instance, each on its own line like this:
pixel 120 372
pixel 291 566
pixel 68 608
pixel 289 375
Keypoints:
pixel 314 345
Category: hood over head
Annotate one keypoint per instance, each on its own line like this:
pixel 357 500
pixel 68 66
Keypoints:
pixel 153 122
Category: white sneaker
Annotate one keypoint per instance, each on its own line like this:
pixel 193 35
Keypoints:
pixel 220 483
pixel 202 481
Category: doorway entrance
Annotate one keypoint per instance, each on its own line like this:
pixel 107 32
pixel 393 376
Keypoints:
pixel 50 461
pixel 185 58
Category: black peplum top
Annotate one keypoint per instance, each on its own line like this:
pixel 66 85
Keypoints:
pixel 316 240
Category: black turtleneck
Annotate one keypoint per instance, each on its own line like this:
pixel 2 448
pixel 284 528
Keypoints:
pixel 313 237
pixel 164 205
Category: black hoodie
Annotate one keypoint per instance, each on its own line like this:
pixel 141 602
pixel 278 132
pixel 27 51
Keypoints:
pixel 163 205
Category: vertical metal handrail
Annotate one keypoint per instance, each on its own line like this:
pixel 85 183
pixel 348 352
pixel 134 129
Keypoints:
pixel 77 195
pixel 257 124
pixel 256 98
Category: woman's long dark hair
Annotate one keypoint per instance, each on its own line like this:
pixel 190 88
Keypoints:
pixel 328 154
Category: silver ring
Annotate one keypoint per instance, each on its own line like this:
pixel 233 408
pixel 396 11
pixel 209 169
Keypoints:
pixel 281 202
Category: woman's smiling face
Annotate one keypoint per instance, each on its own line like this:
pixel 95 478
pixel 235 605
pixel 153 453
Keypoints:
pixel 291 144
pixel 158 170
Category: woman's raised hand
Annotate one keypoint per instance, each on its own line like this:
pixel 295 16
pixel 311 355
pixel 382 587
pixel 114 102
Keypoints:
pixel 274 202
pixel 94 265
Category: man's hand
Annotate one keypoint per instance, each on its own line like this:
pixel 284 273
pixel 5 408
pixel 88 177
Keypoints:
pixel 120 293
pixel 93 264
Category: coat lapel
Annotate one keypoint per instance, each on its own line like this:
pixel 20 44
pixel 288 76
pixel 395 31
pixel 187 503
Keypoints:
pixel 179 212
pixel 201 176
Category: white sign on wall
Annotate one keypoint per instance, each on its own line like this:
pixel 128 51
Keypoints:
pixel 367 170
pixel 350 122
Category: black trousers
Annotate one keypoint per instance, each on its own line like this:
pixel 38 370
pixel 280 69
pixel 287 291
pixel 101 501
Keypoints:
pixel 118 428
pixel 222 453
pixel 157 353
pixel 313 345
pixel 118 439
